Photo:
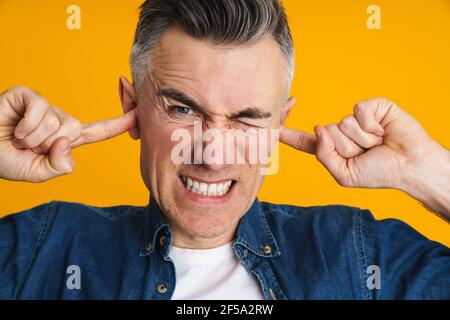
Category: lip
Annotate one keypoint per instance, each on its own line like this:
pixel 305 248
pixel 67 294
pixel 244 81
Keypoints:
pixel 203 199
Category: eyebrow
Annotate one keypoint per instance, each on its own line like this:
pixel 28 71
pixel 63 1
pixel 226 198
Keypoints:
pixel 249 112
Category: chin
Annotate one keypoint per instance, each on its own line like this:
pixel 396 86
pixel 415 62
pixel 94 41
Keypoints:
pixel 206 222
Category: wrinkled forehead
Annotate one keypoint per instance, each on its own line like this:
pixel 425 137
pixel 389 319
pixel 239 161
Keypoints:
pixel 229 76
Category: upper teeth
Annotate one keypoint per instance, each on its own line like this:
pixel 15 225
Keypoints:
pixel 207 189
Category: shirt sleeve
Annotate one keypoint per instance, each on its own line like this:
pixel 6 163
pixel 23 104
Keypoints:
pixel 410 266
pixel 21 235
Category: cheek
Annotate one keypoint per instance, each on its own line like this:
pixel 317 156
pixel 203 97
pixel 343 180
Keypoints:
pixel 258 146
pixel 157 145
pixel 155 161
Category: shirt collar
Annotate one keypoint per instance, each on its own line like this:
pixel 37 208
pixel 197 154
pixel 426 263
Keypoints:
pixel 155 224
pixel 253 232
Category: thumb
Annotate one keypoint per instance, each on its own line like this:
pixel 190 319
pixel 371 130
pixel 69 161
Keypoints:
pixel 59 161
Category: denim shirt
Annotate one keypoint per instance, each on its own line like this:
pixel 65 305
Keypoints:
pixel 64 250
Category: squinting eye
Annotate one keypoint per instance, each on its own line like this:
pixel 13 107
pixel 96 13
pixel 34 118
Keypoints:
pixel 182 110
pixel 247 125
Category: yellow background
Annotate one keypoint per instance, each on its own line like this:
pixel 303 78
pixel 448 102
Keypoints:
pixel 339 61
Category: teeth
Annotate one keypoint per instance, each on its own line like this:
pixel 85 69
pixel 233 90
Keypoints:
pixel 203 188
pixel 212 189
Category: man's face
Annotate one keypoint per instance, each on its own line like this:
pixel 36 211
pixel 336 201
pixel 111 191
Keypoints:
pixel 192 80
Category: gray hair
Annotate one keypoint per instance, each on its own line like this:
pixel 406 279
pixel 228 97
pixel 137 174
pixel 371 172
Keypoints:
pixel 235 22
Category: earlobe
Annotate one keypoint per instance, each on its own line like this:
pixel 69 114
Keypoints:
pixel 128 98
pixel 287 109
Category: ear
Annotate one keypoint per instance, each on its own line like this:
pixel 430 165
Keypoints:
pixel 287 109
pixel 128 98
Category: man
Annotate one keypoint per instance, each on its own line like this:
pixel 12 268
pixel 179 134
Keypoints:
pixel 226 64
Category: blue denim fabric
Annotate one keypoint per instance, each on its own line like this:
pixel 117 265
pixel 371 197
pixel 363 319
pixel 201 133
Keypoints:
pixel 323 252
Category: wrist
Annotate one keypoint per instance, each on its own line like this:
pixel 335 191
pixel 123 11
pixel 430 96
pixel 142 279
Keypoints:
pixel 428 181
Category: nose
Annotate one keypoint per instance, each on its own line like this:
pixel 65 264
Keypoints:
pixel 213 146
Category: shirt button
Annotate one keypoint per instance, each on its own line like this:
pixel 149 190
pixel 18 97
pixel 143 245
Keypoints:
pixel 161 288
pixel 266 249
pixel 245 253
pixel 148 247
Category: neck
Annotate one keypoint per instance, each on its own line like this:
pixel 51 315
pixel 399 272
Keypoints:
pixel 181 240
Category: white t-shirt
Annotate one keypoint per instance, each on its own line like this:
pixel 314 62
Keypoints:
pixel 212 274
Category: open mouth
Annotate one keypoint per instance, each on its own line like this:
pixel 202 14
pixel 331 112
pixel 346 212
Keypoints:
pixel 217 189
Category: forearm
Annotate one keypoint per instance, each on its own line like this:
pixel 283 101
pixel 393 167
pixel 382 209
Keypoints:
pixel 430 183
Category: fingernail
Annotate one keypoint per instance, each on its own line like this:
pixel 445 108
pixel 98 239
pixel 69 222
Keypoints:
pixel 19 134
pixel 68 169
pixel 72 166
pixel 318 133
pixel 379 133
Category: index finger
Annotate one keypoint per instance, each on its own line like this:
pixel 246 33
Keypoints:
pixel 299 140
pixel 106 129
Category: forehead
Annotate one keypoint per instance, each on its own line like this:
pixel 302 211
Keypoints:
pixel 230 76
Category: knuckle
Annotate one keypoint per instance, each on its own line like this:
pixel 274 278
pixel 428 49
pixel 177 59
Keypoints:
pixel 52 124
pixel 364 107
pixel 39 103
pixel 361 108
pixel 76 127
pixel 17 89
pixel 346 123
pixel 372 141
pixel 386 103
pixel 383 100
pixel 368 141
pixel 14 88
pixel 72 128
pixel 358 107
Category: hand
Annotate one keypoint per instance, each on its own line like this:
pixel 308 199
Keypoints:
pixel 379 146
pixel 36 138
